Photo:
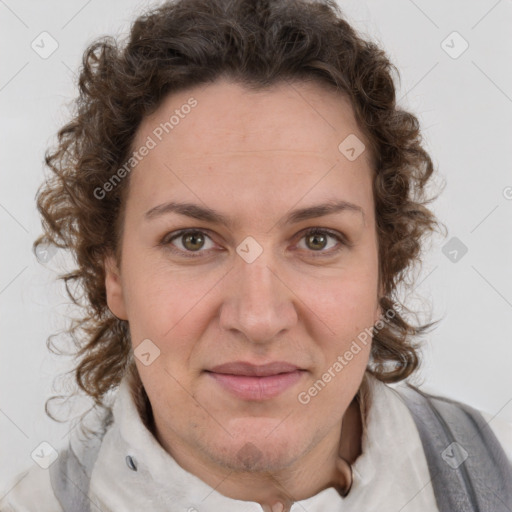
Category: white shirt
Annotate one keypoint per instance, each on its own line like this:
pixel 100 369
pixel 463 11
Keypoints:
pixel 390 475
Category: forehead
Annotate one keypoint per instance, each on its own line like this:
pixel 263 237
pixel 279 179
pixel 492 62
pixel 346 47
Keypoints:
pixel 219 139
pixel 230 117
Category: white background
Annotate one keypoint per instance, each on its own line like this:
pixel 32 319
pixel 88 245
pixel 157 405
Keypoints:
pixel 465 108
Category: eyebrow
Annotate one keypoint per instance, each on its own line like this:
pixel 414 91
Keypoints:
pixel 204 213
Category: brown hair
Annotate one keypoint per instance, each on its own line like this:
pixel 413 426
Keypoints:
pixel 256 43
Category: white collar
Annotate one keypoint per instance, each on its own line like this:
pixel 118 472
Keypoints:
pixel 163 485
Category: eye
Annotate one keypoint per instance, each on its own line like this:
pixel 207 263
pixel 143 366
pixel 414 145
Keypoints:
pixel 316 240
pixel 190 242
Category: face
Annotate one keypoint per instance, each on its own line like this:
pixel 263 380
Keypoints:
pixel 241 276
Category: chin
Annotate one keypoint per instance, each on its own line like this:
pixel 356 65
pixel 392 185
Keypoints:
pixel 251 459
pixel 259 452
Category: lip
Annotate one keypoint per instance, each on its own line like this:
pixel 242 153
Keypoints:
pixel 249 369
pixel 256 382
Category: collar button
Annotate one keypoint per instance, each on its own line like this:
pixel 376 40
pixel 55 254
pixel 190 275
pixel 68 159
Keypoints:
pixel 130 462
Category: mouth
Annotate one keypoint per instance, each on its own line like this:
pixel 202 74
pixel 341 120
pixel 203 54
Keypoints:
pixel 256 382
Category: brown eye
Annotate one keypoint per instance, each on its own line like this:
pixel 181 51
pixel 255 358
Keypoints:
pixel 190 242
pixel 316 240
pixel 193 241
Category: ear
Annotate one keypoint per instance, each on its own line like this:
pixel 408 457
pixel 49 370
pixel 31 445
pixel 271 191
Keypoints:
pixel 114 288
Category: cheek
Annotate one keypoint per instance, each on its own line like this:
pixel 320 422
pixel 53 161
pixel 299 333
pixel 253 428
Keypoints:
pixel 344 338
pixel 345 312
pixel 158 295
pixel 345 303
pixel 173 310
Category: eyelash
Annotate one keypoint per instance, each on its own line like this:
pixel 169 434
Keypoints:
pixel 166 242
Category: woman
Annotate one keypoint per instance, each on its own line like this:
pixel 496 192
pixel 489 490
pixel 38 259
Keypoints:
pixel 243 198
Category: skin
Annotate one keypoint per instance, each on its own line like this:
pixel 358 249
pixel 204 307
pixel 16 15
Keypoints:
pixel 254 157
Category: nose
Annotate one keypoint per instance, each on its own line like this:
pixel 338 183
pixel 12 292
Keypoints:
pixel 259 303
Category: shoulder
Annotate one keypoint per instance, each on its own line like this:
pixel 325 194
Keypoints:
pixel 37 488
pixel 494 424
pixel 502 430
pixel 28 491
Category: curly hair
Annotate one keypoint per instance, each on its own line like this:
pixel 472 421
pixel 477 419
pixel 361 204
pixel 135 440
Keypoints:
pixel 256 43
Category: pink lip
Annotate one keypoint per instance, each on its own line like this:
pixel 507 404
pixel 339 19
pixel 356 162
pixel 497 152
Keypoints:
pixel 252 382
pixel 249 369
